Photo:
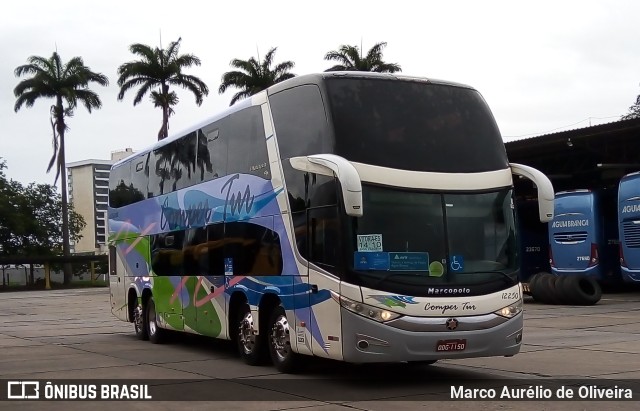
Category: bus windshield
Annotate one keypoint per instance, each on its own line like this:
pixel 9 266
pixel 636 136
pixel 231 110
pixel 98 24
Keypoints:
pixel 412 125
pixel 408 240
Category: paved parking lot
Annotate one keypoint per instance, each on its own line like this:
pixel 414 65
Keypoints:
pixel 70 334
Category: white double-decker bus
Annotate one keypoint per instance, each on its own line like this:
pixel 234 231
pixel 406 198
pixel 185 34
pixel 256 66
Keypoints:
pixel 355 216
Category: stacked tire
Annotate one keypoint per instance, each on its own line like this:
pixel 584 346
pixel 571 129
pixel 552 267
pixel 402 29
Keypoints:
pixel 564 290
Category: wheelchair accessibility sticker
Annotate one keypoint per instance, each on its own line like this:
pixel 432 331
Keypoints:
pixel 456 263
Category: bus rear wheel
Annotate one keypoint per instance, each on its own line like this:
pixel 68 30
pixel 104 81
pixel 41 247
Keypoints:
pixel 156 334
pixel 140 323
pixel 282 355
pixel 250 343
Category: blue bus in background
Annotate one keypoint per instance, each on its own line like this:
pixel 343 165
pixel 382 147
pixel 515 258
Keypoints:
pixel 533 241
pixel 629 226
pixel 583 236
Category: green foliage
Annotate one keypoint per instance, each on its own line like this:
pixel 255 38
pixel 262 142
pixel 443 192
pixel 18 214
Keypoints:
pixel 634 111
pixel 155 72
pixel 350 59
pixel 66 83
pixel 255 76
pixel 31 218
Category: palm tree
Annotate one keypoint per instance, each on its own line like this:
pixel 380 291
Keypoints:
pixel 350 59
pixel 255 75
pixel 160 68
pixel 67 83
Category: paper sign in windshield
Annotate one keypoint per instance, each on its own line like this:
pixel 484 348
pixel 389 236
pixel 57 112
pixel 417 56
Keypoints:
pixel 370 242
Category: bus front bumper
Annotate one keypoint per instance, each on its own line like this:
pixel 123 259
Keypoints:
pixel 630 276
pixel 366 341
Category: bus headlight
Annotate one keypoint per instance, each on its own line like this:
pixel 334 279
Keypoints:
pixel 510 311
pixel 378 314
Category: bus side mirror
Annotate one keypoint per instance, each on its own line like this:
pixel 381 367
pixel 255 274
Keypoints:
pixel 544 186
pixel 330 165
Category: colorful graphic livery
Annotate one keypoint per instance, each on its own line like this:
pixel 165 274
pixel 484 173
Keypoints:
pixel 355 216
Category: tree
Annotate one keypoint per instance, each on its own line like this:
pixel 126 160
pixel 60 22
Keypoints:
pixel 255 76
pixel 634 111
pixel 350 59
pixel 31 217
pixel 67 83
pixel 160 68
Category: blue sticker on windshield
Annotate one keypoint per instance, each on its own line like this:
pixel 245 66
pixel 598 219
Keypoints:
pixel 364 260
pixel 409 261
pixel 456 263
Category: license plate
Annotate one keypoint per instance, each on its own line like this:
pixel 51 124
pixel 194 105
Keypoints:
pixel 451 345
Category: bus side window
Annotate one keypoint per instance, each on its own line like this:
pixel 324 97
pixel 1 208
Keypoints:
pixel 323 237
pixel 253 248
pixel 195 251
pixel 166 253
pixel 215 249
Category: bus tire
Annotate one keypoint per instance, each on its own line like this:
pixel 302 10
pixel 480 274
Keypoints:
pixel 156 334
pixel 537 292
pixel 563 290
pixel 584 290
pixel 250 344
pixel 140 323
pixel 280 349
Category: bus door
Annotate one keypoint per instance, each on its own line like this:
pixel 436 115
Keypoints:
pixel 204 281
pixel 117 284
pixel 169 291
pixel 324 249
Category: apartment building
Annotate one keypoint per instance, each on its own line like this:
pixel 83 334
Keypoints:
pixel 88 188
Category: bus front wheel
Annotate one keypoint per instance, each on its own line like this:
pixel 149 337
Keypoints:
pixel 250 345
pixel 280 348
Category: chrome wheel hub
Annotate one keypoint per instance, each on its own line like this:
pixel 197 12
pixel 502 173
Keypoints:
pixel 137 318
pixel 280 339
pixel 246 333
pixel 152 323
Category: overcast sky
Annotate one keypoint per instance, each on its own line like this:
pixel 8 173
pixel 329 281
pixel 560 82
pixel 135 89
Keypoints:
pixel 542 66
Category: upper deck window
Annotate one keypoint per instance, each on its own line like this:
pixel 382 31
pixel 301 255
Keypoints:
pixel 414 126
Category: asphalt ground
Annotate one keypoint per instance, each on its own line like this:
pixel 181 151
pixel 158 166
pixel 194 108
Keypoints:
pixel 71 334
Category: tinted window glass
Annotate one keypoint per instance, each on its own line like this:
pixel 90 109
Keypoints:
pixel 140 174
pixel 247 143
pixel 300 231
pixel 254 249
pixel 211 161
pixel 308 189
pixel 324 237
pixel 121 190
pixel 167 254
pixel 196 258
pixel 300 122
pixel 173 166
pixel 414 126
pixel 215 249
